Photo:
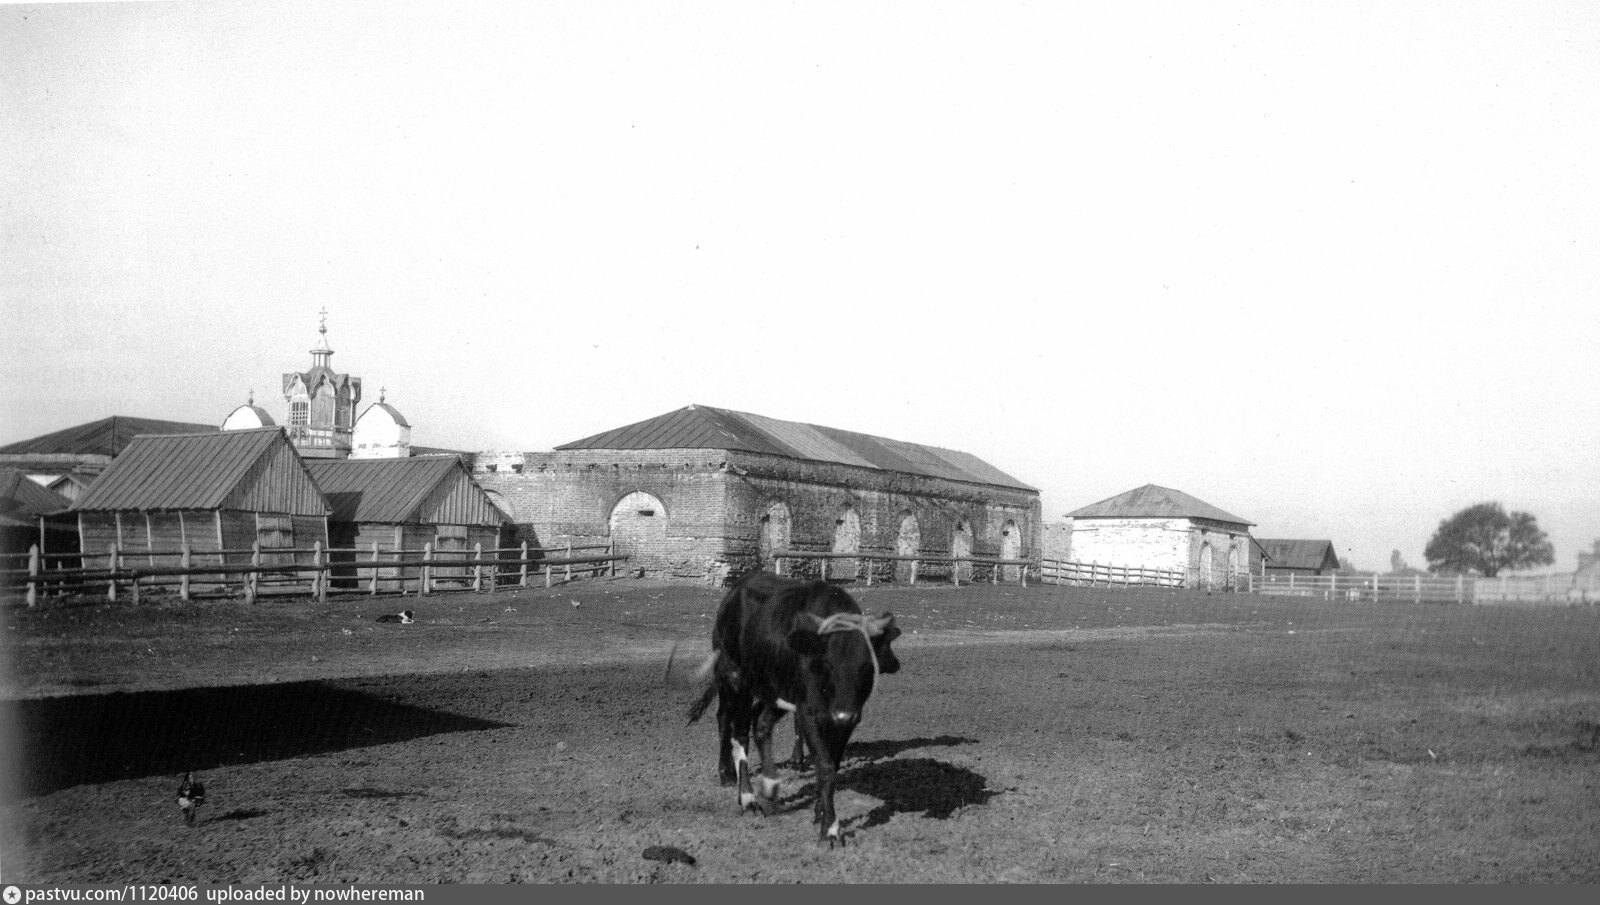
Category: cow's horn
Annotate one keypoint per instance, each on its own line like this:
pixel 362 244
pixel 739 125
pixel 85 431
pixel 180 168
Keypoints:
pixel 877 625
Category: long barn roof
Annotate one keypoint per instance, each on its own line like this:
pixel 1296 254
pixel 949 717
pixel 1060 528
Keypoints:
pixel 704 427
pixel 393 491
pixel 182 471
pixel 1151 501
pixel 106 437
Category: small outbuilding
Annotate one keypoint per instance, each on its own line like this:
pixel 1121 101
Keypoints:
pixel 29 517
pixel 1155 527
pixel 220 491
pixel 1299 557
pixel 404 504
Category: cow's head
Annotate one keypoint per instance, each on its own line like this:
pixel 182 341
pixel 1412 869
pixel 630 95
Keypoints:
pixel 840 659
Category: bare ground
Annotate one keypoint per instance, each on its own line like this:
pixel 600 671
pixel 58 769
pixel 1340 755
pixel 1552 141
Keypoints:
pixel 1034 735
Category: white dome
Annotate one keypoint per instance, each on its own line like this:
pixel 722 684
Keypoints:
pixel 381 433
pixel 246 417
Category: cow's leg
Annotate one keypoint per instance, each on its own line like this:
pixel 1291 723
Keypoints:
pixel 767 782
pixel 740 714
pixel 727 770
pixel 827 777
pixel 797 759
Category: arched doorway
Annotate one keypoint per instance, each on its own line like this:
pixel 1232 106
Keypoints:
pixel 846 539
pixel 773 534
pixel 961 545
pixel 1205 578
pixel 639 532
pixel 1010 548
pixel 907 543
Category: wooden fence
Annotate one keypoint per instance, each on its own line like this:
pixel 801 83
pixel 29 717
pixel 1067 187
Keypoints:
pixel 995 565
pixel 1573 588
pixel 299 571
pixel 1058 571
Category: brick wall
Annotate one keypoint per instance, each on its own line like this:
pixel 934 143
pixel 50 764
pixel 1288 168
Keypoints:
pixel 714 501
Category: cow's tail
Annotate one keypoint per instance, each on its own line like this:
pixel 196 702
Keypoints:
pixel 703 674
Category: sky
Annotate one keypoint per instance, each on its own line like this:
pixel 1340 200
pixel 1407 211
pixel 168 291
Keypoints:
pixel 1330 267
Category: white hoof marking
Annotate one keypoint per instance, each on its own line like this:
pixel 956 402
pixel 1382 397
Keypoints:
pixel 785 705
pixel 747 799
pixel 769 787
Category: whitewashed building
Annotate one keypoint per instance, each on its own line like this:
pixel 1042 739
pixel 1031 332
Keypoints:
pixel 1155 527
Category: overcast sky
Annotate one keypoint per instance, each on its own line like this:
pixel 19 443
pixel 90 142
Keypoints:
pixel 1331 267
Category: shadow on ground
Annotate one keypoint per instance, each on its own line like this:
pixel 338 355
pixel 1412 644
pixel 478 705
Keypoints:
pixel 68 741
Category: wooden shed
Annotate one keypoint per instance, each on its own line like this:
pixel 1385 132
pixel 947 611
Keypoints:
pixel 216 491
pixel 403 504
pixel 1299 557
pixel 29 517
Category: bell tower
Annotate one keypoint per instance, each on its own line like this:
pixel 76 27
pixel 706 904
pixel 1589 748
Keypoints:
pixel 322 403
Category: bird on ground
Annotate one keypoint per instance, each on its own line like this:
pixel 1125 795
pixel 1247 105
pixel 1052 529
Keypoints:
pixel 191 795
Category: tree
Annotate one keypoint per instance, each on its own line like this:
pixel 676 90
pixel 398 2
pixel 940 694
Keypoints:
pixel 1486 539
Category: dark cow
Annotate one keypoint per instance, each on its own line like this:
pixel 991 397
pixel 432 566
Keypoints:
pixel 781 646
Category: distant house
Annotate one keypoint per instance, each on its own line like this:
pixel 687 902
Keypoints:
pixel 403 504
pixel 214 491
pixel 26 511
pixel 86 449
pixel 1300 557
pixel 1160 528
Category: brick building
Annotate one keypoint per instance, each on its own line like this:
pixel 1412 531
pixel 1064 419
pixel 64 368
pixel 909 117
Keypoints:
pixel 707 493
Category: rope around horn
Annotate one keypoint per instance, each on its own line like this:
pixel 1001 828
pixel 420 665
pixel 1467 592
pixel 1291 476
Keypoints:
pixel 852 622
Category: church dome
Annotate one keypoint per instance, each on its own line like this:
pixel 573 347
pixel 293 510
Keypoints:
pixel 248 416
pixel 381 433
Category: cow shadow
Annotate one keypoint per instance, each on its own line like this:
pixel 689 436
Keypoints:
pixel 78 739
pixel 919 785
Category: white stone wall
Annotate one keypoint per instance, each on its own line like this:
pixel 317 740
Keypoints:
pixel 1152 543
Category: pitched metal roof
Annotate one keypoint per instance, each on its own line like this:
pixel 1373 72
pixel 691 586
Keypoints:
pixel 704 427
pixel 1151 501
pixel 22 500
pixel 1299 554
pixel 106 437
pixel 180 471
pixel 389 491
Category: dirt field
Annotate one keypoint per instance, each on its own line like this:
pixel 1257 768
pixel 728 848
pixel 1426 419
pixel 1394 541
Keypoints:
pixel 1033 735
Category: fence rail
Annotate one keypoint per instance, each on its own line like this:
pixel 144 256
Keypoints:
pixel 996 565
pixel 1571 587
pixel 1058 571
pixel 423 571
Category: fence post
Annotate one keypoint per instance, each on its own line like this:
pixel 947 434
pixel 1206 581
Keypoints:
pixel 611 550
pixel 569 562
pixel 183 582
pixel 111 563
pixel 1460 587
pixel 913 573
pixel 373 585
pixel 319 578
pixel 955 571
pixel 427 570
pixel 868 564
pixel 250 577
pixel 1418 597
pixel 33 575
pixel 477 567
pixel 522 576
pixel 547 575
pixel 777 565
